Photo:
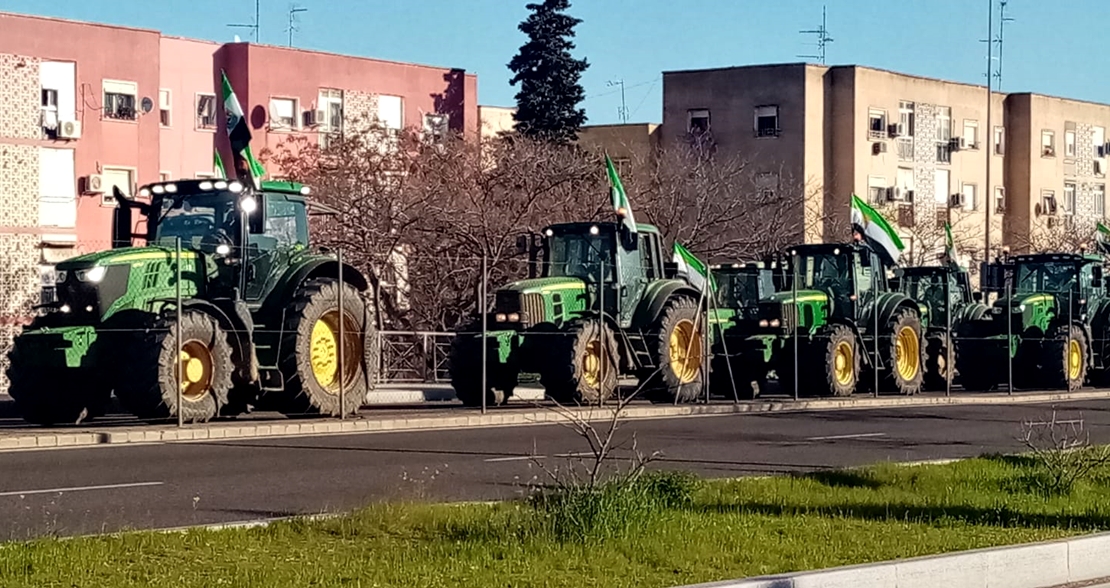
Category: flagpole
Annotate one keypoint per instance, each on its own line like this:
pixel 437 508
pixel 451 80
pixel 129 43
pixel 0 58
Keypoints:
pixel 797 317
pixel 728 358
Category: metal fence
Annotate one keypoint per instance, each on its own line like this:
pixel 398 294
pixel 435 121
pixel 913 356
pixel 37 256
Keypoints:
pixel 414 356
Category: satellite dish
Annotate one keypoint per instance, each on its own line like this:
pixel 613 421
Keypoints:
pixel 147 104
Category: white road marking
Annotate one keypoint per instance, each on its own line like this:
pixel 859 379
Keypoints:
pixel 80 488
pixel 855 436
pixel 514 458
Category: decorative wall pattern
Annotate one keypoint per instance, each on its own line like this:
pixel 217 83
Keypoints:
pixel 20 97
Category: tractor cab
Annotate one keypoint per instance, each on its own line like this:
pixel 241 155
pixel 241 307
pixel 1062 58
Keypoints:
pixel 1040 286
pixel 929 285
pixel 740 286
pixel 247 234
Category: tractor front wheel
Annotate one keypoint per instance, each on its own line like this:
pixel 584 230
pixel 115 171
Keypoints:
pixel 311 362
pixel 55 396
pixel 938 362
pixel 147 382
pixel 679 353
pixel 465 364
pixel 841 360
pixel 904 355
pixel 583 366
pixel 1065 360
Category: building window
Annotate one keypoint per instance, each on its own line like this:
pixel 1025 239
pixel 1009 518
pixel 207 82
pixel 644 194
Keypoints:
pixel 904 185
pixel 1098 194
pixel 944 124
pixel 697 121
pixel 999 140
pixel 999 200
pixel 876 124
pixel 119 100
pixel 968 196
pixel 391 114
pixel 1048 143
pixel 206 112
pixel 57 188
pixel 876 189
pixel 164 176
pixel 623 165
pixel 435 128
pixel 205 175
pixel 1048 202
pixel 164 107
pixel 1069 139
pixel 50 112
pixel 329 115
pixel 1069 198
pixel 970 139
pixel 767 121
pixel 941 182
pixel 944 151
pixel 283 114
pixel 58 81
pixel 121 177
pixel 905 130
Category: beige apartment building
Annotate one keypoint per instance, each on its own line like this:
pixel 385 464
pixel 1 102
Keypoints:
pixel 915 147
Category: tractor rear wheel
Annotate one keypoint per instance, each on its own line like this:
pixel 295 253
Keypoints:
pixel 465 364
pixel 841 360
pixel 904 355
pixel 679 353
pixel 147 381
pixel 311 362
pixel 939 367
pixel 1065 360
pixel 582 369
pixel 55 396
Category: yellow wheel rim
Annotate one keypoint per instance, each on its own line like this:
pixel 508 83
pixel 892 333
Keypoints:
pixel 196 370
pixel 591 364
pixel 907 354
pixel 843 363
pixel 1075 359
pixel 685 352
pixel 324 350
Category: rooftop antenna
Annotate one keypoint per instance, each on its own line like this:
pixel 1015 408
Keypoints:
pixel 250 26
pixel 293 21
pixel 622 112
pixel 1003 19
pixel 823 38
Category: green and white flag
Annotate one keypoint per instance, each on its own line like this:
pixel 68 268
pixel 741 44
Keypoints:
pixel 1103 235
pixel 218 165
pixel 620 198
pixel 879 234
pixel 949 245
pixel 239 134
pixel 697 273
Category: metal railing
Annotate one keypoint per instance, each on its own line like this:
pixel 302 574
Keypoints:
pixel 414 356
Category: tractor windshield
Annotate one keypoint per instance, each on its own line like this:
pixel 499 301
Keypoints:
pixel 739 289
pixel 580 255
pixel 825 272
pixel 1051 277
pixel 928 288
pixel 196 216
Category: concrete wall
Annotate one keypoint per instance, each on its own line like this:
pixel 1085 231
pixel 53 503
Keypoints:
pixel 495 120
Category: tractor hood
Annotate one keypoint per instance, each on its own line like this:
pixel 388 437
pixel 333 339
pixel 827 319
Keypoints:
pixel 527 303
pixel 95 286
pixel 1019 303
pixel 773 311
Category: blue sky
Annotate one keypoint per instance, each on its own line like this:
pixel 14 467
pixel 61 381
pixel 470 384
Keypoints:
pixel 1048 48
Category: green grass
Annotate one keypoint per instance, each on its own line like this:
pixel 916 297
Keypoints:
pixel 685 533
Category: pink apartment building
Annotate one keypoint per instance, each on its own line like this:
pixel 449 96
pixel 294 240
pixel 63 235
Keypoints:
pixel 85 107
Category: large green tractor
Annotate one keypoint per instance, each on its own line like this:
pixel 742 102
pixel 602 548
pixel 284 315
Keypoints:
pixel 603 306
pixel 740 287
pixel 1050 320
pixel 265 322
pixel 930 286
pixel 845 322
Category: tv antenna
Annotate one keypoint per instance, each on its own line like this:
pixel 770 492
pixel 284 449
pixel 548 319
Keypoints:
pixel 250 26
pixel 823 38
pixel 994 64
pixel 293 21
pixel 622 112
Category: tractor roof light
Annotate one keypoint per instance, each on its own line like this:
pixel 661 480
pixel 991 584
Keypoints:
pixel 158 189
pixel 220 185
pixel 305 190
pixel 235 187
pixel 248 204
pixel 549 233
pixel 594 230
pixel 223 249
pixel 145 192
pixel 205 186
pixel 171 188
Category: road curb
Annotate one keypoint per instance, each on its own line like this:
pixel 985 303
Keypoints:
pixel 1032 565
pixel 468 418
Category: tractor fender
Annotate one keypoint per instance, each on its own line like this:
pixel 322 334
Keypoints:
pixel 890 303
pixel 319 267
pixel 655 297
pixel 239 327
pixel 972 312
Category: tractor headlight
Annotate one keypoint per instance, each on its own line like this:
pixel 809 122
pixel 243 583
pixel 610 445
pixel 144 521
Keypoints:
pixel 1019 308
pixel 500 317
pixel 223 249
pixel 93 275
pixel 514 317
pixel 64 308
pixel 775 323
pixel 60 276
pixel 763 323
pixel 248 204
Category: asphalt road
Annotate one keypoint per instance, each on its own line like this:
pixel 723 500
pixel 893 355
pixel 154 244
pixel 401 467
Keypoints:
pixel 79 491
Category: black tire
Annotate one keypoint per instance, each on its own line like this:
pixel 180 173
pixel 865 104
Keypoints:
pixel 465 366
pixel 315 306
pixel 903 341
pixel 569 376
pixel 679 318
pixel 840 358
pixel 938 361
pixel 1064 360
pixel 979 361
pixel 55 396
pixel 748 379
pixel 146 383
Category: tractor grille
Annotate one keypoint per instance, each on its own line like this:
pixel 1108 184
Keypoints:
pixel 787 318
pixel 89 298
pixel 532 308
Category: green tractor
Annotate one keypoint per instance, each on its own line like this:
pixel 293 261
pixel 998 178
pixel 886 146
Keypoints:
pixel 264 322
pixel 740 287
pixel 845 322
pixel 604 306
pixel 1050 320
pixel 930 285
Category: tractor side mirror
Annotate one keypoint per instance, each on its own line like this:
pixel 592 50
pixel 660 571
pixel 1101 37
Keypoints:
pixel 121 220
pixel 523 244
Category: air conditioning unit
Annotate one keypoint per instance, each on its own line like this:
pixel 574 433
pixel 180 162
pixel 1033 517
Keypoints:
pixel 963 143
pixel 69 129
pixel 1098 168
pixel 895 130
pixel 908 196
pixel 956 199
pixel 878 147
pixel 94 184
pixel 891 194
pixel 308 118
pixel 1050 222
pixel 955 143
